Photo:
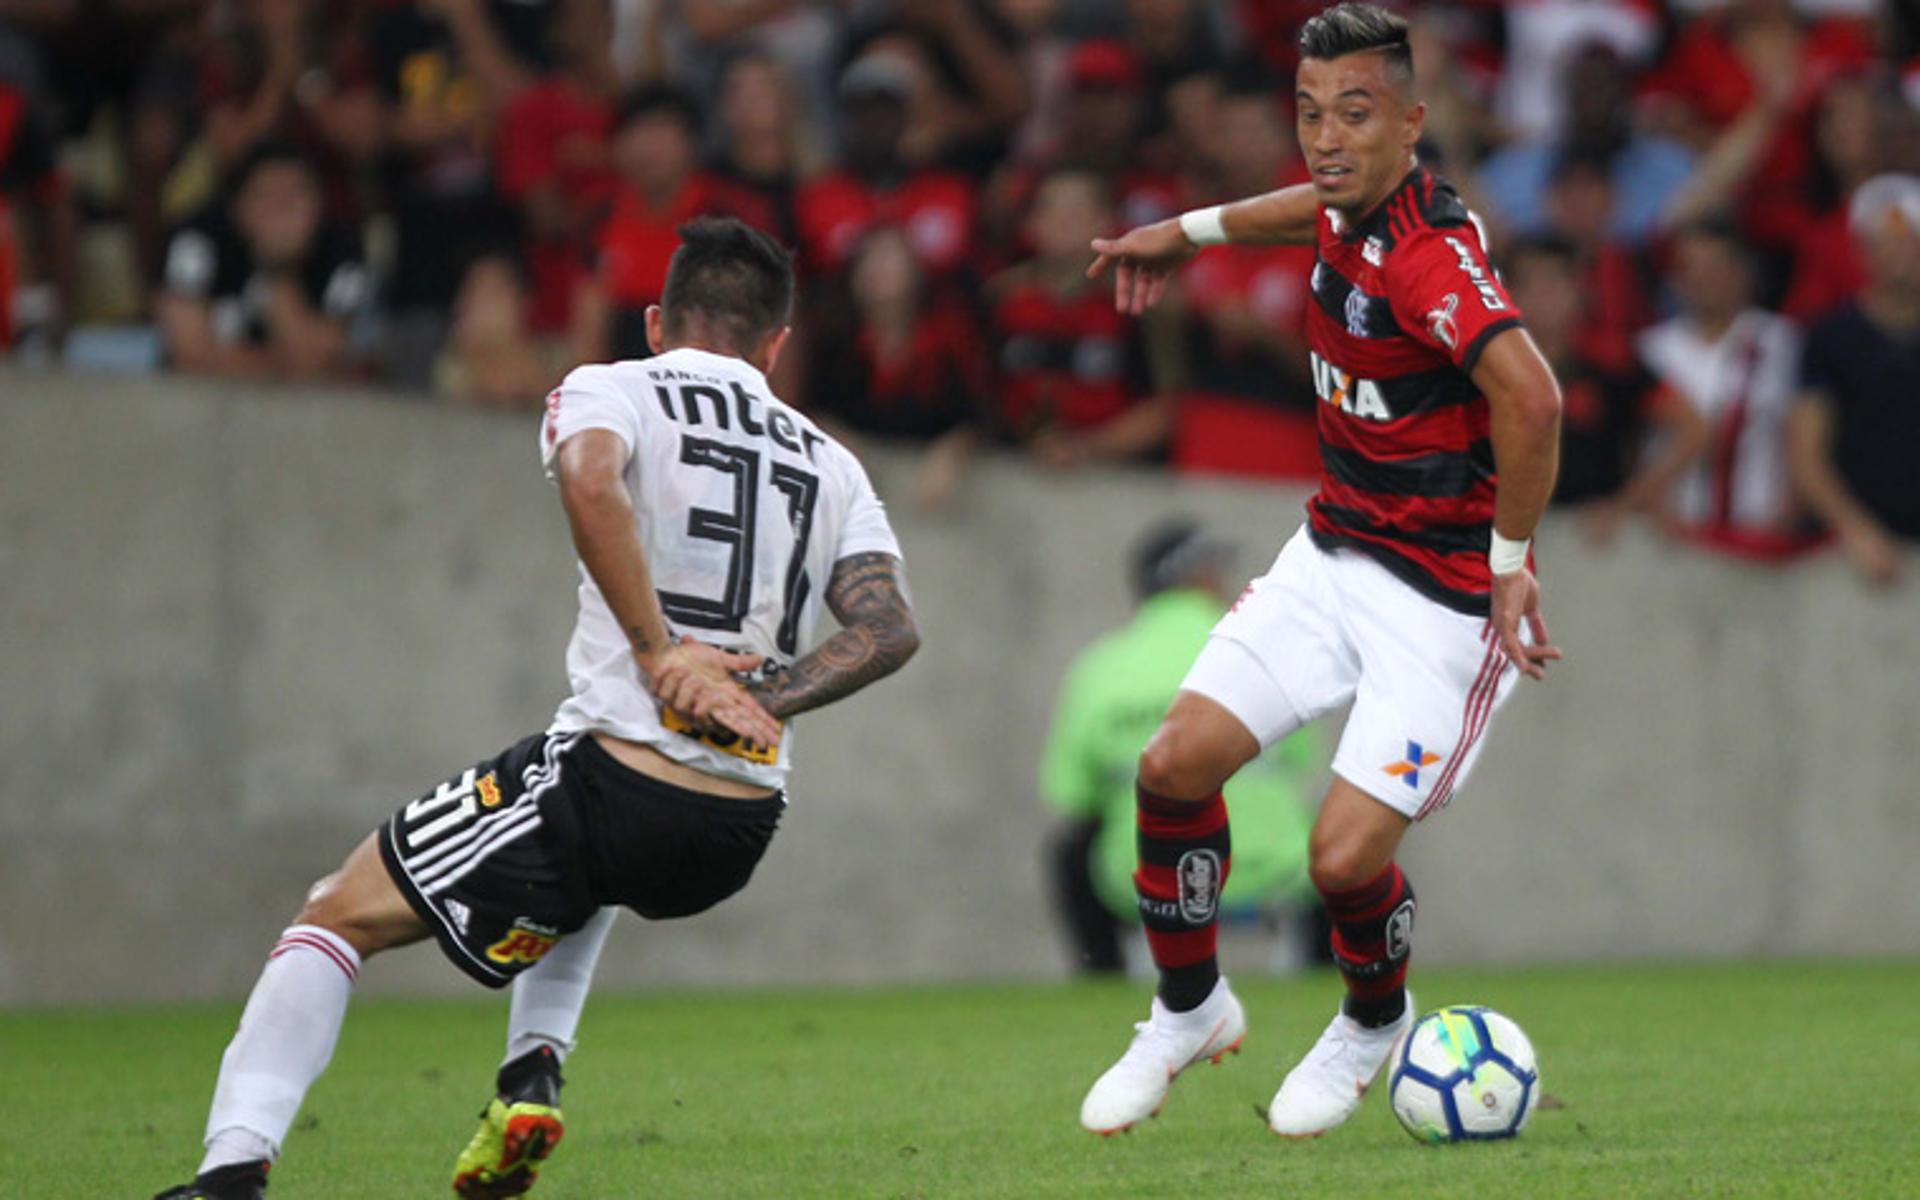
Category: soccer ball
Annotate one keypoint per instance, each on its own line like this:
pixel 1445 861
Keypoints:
pixel 1463 1074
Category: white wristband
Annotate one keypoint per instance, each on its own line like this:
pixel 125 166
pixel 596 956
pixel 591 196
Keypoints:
pixel 1203 226
pixel 1505 556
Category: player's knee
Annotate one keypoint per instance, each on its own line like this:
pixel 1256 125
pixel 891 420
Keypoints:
pixel 1172 766
pixel 331 907
pixel 1336 866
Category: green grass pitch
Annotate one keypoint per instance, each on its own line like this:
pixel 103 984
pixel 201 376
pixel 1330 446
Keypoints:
pixel 1761 1080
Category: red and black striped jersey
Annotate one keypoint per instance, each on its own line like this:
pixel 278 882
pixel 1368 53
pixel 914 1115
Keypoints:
pixel 1404 302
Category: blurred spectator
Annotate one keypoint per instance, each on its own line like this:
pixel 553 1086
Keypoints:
pixel 1751 52
pixel 1736 365
pixel 1624 441
pixel 494 358
pixel 275 70
pixel 1043 55
pixel 659 188
pixel 39 224
pixel 1614 275
pixel 1857 130
pixel 1078 382
pixel 446 70
pixel 1175 41
pixel 762 144
pixel 1546 41
pixel 554 161
pixel 1248 304
pixel 1643 170
pixel 261 286
pixel 1855 428
pixel 1854 135
pixel 243 73
pixel 163 113
pixel 1100 133
pixel 899 356
pixel 873 183
pixel 967 92
pixel 1458 74
pixel 1110 703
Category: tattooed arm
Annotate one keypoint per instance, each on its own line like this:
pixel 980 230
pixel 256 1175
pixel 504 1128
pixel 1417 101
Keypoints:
pixel 868 594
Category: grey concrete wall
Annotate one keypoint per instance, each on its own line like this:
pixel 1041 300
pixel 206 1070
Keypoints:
pixel 238 628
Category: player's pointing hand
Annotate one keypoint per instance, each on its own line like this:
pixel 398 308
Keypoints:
pixel 1143 260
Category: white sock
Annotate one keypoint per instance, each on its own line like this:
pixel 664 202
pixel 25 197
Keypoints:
pixel 548 996
pixel 286 1036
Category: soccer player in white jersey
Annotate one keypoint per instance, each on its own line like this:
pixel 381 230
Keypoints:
pixel 701 507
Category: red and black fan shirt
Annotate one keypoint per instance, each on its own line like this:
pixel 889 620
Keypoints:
pixel 1403 304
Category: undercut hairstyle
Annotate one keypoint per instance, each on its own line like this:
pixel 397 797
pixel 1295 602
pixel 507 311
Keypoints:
pixel 1360 29
pixel 731 278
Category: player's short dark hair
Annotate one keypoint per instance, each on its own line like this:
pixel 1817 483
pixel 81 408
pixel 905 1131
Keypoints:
pixel 659 100
pixel 1360 29
pixel 733 277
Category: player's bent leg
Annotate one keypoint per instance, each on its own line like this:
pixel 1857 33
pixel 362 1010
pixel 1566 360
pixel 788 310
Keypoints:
pixel 292 1021
pixel 362 905
pixel 1350 858
pixel 522 1123
pixel 1185 844
pixel 1185 853
pixel 1196 749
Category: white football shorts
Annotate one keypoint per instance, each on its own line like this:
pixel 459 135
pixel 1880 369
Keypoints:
pixel 1325 627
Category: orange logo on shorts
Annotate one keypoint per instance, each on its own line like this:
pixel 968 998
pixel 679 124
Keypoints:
pixel 521 946
pixel 1407 770
pixel 489 791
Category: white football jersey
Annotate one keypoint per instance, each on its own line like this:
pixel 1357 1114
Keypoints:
pixel 1742 385
pixel 742 506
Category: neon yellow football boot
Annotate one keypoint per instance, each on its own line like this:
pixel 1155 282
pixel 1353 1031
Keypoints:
pixel 504 1157
pixel 518 1131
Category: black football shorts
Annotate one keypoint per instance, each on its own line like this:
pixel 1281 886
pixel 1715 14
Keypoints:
pixel 516 852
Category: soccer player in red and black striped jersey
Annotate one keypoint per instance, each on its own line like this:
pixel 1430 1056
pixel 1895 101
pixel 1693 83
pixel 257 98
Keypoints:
pixel 1409 593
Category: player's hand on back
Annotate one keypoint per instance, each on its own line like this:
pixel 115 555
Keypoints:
pixel 1516 599
pixel 1143 259
pixel 697 681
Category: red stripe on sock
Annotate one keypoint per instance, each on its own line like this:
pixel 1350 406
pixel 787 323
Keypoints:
pixel 293 941
pixel 1175 821
pixel 1183 949
pixel 1372 899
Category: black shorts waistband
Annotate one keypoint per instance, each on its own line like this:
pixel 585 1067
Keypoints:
pixel 601 761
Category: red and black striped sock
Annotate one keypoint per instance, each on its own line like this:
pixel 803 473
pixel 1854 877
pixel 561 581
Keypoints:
pixel 1185 853
pixel 1372 937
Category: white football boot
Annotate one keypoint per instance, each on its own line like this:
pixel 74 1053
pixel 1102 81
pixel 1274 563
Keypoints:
pixel 1327 1086
pixel 1164 1045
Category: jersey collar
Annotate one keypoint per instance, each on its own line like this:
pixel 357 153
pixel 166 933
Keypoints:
pixel 1375 222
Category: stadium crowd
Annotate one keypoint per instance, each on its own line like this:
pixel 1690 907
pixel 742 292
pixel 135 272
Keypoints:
pixel 1709 210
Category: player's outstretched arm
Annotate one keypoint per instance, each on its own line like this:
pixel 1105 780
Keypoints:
pixel 868 595
pixel 1145 257
pixel 591 466
pixel 1524 401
